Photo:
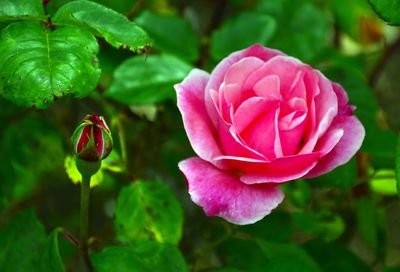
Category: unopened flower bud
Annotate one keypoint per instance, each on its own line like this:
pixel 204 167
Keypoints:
pixel 92 139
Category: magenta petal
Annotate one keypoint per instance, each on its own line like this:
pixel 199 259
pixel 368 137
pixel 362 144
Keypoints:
pixel 345 149
pixel 198 126
pixel 221 193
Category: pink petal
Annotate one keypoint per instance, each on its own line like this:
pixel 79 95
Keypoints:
pixel 218 74
pixel 286 68
pixel 222 194
pixel 277 171
pixel 344 107
pixel 262 134
pixel 268 87
pixel 346 148
pixel 200 131
pixel 326 109
pixel 236 75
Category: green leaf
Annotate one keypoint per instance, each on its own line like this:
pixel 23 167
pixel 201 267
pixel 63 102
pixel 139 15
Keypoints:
pixel 22 242
pixel 287 257
pixel 333 257
pixel 323 223
pixel 388 10
pixel 148 210
pixel 398 165
pixel 38 65
pixel 22 168
pixel 183 43
pixel 378 142
pixel 143 256
pixel 356 19
pixel 343 177
pixel 279 225
pixel 303 29
pixel 21 10
pixel 147 80
pixel 240 32
pixel 115 28
pixel 244 255
pixel 51 259
pixel 366 215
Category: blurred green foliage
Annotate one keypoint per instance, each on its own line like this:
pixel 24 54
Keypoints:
pixel 141 216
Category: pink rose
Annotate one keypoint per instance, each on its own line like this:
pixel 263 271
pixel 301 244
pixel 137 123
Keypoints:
pixel 260 119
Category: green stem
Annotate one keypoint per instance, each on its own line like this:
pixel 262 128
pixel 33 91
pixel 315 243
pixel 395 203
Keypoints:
pixel 85 191
pixel 122 141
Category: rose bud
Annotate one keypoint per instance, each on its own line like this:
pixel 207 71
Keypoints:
pixel 261 118
pixel 92 139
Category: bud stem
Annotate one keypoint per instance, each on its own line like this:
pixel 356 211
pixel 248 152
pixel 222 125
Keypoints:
pixel 85 192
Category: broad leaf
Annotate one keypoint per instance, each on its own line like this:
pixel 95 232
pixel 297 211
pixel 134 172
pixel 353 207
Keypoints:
pixel 22 243
pixel 143 256
pixel 303 29
pixel 148 210
pixel 279 225
pixel 333 257
pixel 38 65
pixel 21 10
pixel 171 34
pixel 115 28
pixel 287 257
pixel 147 80
pixel 388 10
pixel 22 168
pixel 240 32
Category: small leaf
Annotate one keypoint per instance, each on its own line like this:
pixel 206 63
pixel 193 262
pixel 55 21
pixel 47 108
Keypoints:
pixel 147 80
pixel 143 256
pixel 51 259
pixel 21 10
pixel 183 43
pixel 38 65
pixel 240 32
pixel 388 10
pixel 148 210
pixel 114 27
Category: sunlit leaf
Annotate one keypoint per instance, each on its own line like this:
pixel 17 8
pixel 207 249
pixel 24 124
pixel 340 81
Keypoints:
pixel 115 28
pixel 21 10
pixel 38 65
pixel 384 182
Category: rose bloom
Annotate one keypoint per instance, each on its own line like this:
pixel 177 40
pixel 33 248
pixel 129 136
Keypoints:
pixel 261 118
